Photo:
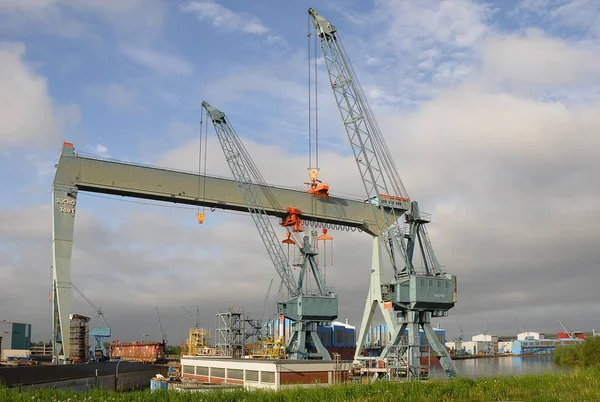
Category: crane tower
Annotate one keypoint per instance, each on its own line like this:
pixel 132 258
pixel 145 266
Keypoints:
pixel 411 298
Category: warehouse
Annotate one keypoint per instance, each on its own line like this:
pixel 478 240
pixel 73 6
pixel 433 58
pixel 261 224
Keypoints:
pixel 15 339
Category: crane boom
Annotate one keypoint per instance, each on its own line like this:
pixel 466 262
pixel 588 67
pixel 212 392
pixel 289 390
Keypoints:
pixel 163 335
pixel 247 177
pixel 97 310
pixel 377 168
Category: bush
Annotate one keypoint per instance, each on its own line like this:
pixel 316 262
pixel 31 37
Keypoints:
pixel 584 354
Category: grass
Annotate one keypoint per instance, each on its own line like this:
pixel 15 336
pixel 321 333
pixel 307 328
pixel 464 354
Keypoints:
pixel 581 385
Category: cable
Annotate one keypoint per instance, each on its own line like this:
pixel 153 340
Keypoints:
pixel 316 109
pixel 200 157
pixel 308 34
pixel 205 158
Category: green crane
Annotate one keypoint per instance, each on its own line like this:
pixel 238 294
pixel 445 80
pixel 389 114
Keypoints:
pixel 307 308
pixel 410 300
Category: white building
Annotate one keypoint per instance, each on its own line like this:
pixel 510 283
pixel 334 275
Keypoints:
pixel 484 338
pixel 505 347
pixel 524 336
pixel 266 374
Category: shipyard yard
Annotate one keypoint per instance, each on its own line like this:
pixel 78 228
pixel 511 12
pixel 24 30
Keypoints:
pixel 269 211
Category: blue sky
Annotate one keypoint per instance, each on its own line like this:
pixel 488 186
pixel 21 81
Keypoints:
pixel 489 108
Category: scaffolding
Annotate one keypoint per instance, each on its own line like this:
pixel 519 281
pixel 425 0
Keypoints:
pixel 198 343
pixel 397 363
pixel 230 333
pixel 269 347
pixel 79 334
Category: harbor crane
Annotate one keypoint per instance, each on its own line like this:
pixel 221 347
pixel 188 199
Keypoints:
pixel 307 308
pixel 411 298
pixel 195 320
pixel 163 335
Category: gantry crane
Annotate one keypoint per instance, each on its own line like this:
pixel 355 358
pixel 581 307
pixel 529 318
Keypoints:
pixel 307 308
pixel 410 300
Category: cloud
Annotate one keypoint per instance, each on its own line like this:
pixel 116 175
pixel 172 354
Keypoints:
pixel 575 15
pixel 457 23
pixel 535 58
pixel 62 17
pixel 156 61
pixel 223 18
pixel 99 150
pixel 115 96
pixel 29 115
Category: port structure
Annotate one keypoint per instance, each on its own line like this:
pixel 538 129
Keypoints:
pixel 307 308
pixel 411 298
pixel 75 173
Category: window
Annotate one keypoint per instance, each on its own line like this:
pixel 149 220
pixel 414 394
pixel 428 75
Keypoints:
pixel 235 374
pixel 188 369
pixel 217 372
pixel 267 376
pixel 251 375
pixel 202 370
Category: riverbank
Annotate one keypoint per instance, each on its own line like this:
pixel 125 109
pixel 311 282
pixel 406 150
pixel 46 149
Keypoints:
pixel 580 385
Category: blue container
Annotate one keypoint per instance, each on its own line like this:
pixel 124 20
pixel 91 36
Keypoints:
pixel 171 369
pixel 157 383
pixel 339 336
pixel 350 337
pixel 326 336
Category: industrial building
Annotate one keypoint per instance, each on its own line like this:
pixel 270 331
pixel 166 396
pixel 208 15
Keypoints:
pixel 338 337
pixel 540 346
pixel 484 338
pixel 15 340
pixel 528 335
pixel 264 374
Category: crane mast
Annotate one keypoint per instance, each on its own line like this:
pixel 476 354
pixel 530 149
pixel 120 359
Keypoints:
pixel 410 300
pixel 307 308
pixel 377 169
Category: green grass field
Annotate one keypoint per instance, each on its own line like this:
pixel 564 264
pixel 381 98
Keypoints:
pixel 581 385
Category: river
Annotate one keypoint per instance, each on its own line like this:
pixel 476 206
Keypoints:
pixel 495 366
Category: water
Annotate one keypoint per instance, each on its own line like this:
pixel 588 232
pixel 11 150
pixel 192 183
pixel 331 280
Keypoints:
pixel 502 366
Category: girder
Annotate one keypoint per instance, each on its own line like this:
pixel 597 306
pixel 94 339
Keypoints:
pixel 153 183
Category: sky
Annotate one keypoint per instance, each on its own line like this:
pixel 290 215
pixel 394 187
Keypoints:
pixel 488 108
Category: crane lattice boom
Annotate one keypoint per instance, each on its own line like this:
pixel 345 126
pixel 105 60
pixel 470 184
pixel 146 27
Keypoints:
pixel 379 175
pixel 247 176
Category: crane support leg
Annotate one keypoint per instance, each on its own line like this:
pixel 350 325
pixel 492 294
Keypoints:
pixel 64 200
pixel 412 321
pixel 303 334
pixel 374 298
pixel 445 360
